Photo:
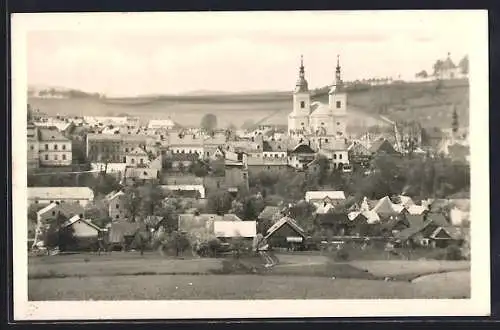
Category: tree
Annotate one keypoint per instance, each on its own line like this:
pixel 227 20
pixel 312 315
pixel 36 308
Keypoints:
pixel 422 74
pixel 151 196
pixel 97 212
pixel 132 199
pixel 56 235
pixel 454 122
pixel 437 67
pixel 219 203
pixel 464 65
pixel 199 169
pixel 209 122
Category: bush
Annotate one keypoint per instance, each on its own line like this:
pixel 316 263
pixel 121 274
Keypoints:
pixel 452 252
pixel 341 255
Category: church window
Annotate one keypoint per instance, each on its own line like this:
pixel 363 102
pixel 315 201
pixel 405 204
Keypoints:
pixel 340 156
pixel 302 104
pixel 338 104
pixel 334 156
pixel 302 124
pixel 338 123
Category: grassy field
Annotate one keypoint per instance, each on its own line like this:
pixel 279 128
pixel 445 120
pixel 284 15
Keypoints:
pixel 119 276
pixel 421 102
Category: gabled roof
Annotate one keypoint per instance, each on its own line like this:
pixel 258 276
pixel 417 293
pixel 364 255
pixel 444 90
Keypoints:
pixel 382 146
pixel 385 206
pixel 74 219
pixel 438 219
pixel 302 149
pixel 407 233
pixel 152 220
pixel 416 209
pixel 286 220
pixel 406 201
pixel 46 209
pixel 371 216
pixel 358 149
pixel 415 220
pixel 51 134
pixel 321 195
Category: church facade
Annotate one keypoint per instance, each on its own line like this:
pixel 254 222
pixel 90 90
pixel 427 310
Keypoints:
pixel 316 119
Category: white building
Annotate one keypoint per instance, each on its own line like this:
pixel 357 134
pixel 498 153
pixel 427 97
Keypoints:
pixel 161 124
pixel 318 118
pixel 54 149
pixel 47 195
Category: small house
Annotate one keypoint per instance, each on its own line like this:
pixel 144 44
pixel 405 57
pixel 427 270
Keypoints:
pixel 84 231
pixel 286 233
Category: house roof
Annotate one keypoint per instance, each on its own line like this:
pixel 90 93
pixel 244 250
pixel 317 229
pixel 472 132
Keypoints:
pixel 74 219
pixel 321 195
pixel 51 134
pixel 406 200
pixel 286 220
pixel 67 209
pixel 141 173
pixel 385 206
pixel 416 209
pixel 114 194
pixel 183 180
pixel 407 233
pixel 60 193
pixel 415 220
pixel 322 209
pixel 235 228
pixel 138 152
pixel 438 219
pixel 371 216
pixel 273 146
pixel 302 149
pixel 230 217
pixel 382 146
pixel 121 229
pixel 269 213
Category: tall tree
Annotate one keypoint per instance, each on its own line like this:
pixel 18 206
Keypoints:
pixel 132 200
pixel 209 122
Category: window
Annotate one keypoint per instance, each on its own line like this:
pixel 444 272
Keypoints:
pixel 55 157
pixel 63 147
pixel 334 156
pixel 117 206
pixel 302 104
pixel 117 216
pixel 338 104
pixel 64 157
pixel 269 167
pixel 55 146
pixel 326 140
pixel 275 155
pixel 126 149
pixel 302 124
pixel 338 123
pixel 132 160
pixel 340 156
pixel 32 147
pixel 53 213
pixel 208 153
pixel 141 161
pixel 46 147
pixel 322 124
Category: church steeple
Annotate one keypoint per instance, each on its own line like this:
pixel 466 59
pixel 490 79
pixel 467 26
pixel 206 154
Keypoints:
pixel 338 76
pixel 301 85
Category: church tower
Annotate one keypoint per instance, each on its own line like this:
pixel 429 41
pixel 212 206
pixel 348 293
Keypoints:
pixel 298 119
pixel 337 99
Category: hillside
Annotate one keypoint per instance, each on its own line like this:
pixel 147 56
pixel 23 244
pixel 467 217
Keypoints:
pixel 429 103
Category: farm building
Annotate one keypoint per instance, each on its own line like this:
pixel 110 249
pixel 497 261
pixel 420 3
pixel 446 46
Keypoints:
pixel 47 195
pixel 85 233
pixel 286 233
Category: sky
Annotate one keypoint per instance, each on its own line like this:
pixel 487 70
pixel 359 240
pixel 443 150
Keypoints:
pixel 170 53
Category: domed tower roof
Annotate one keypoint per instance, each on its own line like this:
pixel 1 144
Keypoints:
pixel 301 86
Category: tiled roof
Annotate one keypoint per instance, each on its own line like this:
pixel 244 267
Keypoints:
pixel 282 222
pixel 302 149
pixel 51 134
pixel 438 219
pixel 321 195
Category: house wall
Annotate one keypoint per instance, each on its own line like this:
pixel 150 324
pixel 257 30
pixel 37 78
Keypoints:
pixel 188 150
pixel 83 230
pixel 81 201
pixel 105 150
pixel 274 154
pixel 135 160
pixel 117 209
pixel 55 153
pixel 278 238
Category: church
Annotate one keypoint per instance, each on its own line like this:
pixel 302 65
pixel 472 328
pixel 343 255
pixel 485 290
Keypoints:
pixel 316 119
